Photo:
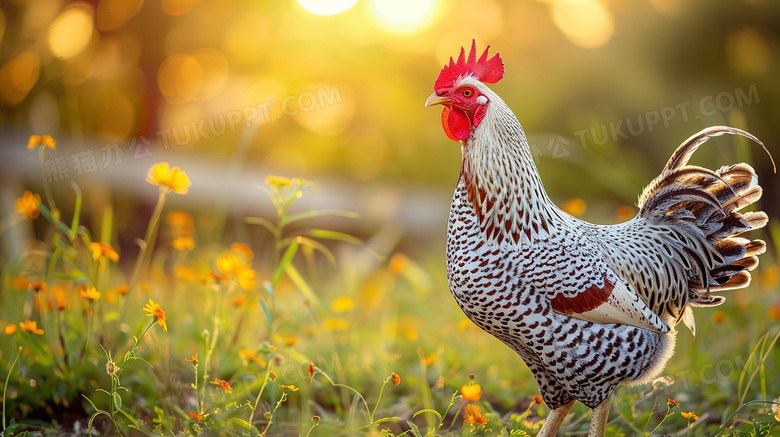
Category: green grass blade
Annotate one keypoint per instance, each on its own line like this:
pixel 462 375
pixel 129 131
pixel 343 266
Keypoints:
pixel 744 369
pixel 318 213
pixel 284 263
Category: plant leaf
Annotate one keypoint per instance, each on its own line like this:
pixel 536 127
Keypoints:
pixel 289 254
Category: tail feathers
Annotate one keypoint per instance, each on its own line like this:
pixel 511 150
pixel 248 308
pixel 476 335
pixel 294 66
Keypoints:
pixel 703 207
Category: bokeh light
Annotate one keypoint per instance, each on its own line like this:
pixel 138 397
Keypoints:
pixel 177 7
pixel 192 78
pixel 404 16
pixel 586 23
pixel 326 7
pixel 112 14
pixel 18 76
pixel 70 33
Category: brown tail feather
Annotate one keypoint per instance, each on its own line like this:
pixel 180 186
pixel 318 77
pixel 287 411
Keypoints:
pixel 705 205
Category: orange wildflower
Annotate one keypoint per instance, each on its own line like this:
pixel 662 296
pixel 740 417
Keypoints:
pixel 238 301
pixel 40 286
pixel 718 317
pixel 218 277
pixel 473 415
pixel 183 243
pixel 196 416
pixel 310 369
pixel 10 329
pixel 396 378
pixel 153 310
pixel 575 207
pixel 30 326
pixel 89 293
pixel 249 355
pixel 471 392
pixel 224 385
pixel 179 219
pixel 243 249
pixel 45 140
pixel 774 312
pixel 537 399
pixel 20 283
pixel 169 179
pixel 27 205
pixel 60 298
pixel 100 249
pixel 123 289
pixel 192 358
pixel 672 403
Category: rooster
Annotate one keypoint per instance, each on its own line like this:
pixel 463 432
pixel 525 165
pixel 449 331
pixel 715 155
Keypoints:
pixel 588 307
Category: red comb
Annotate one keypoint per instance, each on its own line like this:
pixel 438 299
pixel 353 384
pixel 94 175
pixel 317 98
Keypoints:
pixel 486 70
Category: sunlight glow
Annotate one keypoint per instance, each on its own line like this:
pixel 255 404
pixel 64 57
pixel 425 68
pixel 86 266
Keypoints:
pixel 326 7
pixel 586 23
pixel 404 16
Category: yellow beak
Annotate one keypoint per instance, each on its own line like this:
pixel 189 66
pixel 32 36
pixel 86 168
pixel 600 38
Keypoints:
pixel 435 99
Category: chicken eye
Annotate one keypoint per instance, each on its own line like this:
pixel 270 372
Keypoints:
pixel 467 92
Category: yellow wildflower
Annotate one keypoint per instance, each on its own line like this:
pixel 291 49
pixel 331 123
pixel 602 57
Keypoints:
pixel 689 415
pixel 27 205
pixel 169 179
pixel 471 392
pixel 123 289
pixel 272 375
pixel 278 181
pixel 36 140
pixel 396 378
pixel 336 324
pixel 29 326
pixel 342 304
pixel 224 385
pixel 431 359
pixel 153 310
pixel 290 341
pixel 473 414
pixel 239 268
pixel 289 387
pixel 100 249
pixel 89 293
pixel 10 329
pixel 238 301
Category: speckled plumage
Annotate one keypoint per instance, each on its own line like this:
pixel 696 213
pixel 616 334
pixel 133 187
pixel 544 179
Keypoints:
pixel 590 307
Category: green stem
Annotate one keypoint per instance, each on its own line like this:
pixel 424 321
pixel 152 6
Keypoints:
pixel 381 390
pixel 46 187
pixel 146 245
pixel 260 393
pixel 8 377
pixel 217 325
pixel 89 332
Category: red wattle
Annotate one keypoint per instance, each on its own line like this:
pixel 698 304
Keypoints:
pixel 455 123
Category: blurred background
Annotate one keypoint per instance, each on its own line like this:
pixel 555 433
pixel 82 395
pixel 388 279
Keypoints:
pixel 333 91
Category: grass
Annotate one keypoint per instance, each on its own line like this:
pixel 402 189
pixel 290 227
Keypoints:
pixel 316 334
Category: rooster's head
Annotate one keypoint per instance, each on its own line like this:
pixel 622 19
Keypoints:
pixel 464 103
